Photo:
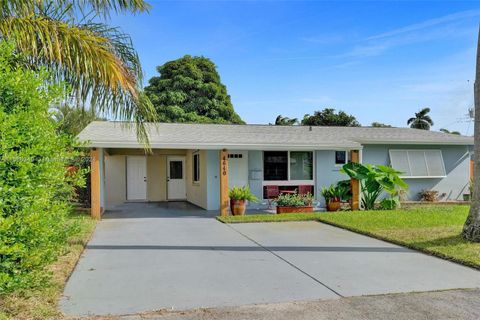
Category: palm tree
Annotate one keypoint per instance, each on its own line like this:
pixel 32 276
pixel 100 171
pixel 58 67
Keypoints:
pixel 285 121
pixel 421 120
pixel 72 120
pixel 96 61
pixel 471 229
pixel 448 131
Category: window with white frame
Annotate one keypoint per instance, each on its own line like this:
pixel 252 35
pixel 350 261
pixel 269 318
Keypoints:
pixel 287 165
pixel 301 165
pixel 418 163
pixel 196 168
pixel 340 157
pixel 275 165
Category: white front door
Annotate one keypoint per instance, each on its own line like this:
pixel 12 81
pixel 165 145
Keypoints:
pixel 237 168
pixel 136 178
pixel 176 189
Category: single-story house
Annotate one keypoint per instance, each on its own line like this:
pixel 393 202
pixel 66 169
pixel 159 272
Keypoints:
pixel 188 161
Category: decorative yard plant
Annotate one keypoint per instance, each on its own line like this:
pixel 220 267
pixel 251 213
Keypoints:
pixel 242 193
pixel 428 195
pixel 335 194
pixel 294 200
pixel 238 197
pixel 290 203
pixel 375 179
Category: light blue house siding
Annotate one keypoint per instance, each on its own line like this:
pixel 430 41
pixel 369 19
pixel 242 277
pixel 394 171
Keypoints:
pixel 452 187
pixel 456 160
pixel 213 182
pixel 326 172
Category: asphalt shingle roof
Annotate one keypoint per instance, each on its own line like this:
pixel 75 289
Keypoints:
pixel 216 136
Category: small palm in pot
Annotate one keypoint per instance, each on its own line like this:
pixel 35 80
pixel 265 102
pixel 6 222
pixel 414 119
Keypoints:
pixel 238 199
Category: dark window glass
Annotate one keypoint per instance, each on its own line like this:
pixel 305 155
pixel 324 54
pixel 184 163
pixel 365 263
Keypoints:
pixel 275 165
pixel 176 170
pixel 196 168
pixel 340 157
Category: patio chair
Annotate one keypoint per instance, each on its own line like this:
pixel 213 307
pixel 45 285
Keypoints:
pixel 304 189
pixel 272 193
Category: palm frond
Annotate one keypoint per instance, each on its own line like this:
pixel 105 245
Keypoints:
pixel 428 119
pixel 409 121
pixel 23 8
pixel 422 112
pixel 98 62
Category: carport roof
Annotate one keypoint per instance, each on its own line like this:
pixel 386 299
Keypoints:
pixel 109 134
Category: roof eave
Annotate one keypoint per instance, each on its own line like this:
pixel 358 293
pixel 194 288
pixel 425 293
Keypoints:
pixel 403 142
pixel 207 146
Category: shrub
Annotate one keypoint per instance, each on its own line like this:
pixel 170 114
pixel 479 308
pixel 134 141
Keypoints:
pixel 391 203
pixel 428 195
pixel 34 187
pixel 294 200
pixel 375 179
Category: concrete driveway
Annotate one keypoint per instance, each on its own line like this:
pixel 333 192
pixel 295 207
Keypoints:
pixel 146 257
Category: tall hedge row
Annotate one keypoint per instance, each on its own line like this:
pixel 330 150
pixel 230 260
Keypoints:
pixel 35 187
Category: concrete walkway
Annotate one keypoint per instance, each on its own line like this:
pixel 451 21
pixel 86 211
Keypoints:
pixel 146 257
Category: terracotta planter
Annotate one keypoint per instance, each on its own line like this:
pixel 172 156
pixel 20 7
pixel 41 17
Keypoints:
pixel 333 205
pixel 71 170
pixel 237 207
pixel 294 209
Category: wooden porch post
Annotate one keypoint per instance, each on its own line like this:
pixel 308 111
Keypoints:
pixel 95 183
pixel 223 182
pixel 355 184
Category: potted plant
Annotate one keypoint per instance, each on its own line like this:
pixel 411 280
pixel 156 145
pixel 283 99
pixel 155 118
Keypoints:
pixel 345 192
pixel 332 197
pixel 238 198
pixel 294 203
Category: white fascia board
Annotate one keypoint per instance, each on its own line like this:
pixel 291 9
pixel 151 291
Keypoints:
pixel 303 147
pixel 440 143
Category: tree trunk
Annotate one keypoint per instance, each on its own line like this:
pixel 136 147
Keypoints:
pixel 471 229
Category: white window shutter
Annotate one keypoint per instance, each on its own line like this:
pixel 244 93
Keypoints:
pixel 418 163
pixel 399 161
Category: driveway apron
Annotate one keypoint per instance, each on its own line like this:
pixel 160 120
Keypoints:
pixel 146 257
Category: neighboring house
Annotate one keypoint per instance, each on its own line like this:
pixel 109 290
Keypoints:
pixel 185 159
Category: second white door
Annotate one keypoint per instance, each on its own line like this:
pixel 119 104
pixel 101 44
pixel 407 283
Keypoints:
pixel 237 168
pixel 176 188
pixel 136 178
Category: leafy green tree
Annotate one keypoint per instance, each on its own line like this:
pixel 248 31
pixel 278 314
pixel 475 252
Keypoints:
pixel 69 38
pixel 421 120
pixel 189 90
pixel 35 186
pixel 328 117
pixel 72 120
pixel 380 125
pixel 448 131
pixel 285 121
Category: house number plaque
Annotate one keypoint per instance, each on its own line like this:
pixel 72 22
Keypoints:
pixel 224 165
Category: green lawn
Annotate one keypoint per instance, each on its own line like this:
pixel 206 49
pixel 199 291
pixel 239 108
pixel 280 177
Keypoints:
pixel 42 303
pixel 433 229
